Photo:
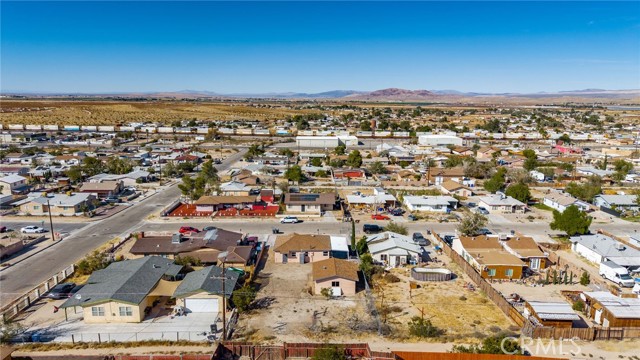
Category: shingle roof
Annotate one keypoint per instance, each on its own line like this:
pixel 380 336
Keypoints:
pixel 302 242
pixel 219 239
pixel 220 200
pixel 128 281
pixel 207 280
pixel 333 267
pixel 314 199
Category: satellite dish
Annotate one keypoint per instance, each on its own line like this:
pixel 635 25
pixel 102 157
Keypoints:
pixel 78 296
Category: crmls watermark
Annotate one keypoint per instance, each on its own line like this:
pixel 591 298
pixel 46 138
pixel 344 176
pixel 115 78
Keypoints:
pixel 531 346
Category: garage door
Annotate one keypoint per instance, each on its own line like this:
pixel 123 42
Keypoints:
pixel 201 305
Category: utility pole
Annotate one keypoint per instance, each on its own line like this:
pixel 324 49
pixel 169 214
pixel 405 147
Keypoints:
pixel 53 235
pixel 224 304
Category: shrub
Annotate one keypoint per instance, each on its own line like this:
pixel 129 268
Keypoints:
pixel 585 279
pixel 329 352
pixel 578 305
pixel 91 263
pixel 424 328
pixel 243 297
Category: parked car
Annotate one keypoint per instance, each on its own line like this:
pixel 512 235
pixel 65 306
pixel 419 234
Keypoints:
pixel 472 204
pixel 111 199
pixel 289 220
pixel 484 231
pixel 483 211
pixel 60 291
pixel 397 212
pixel 419 239
pixel 616 273
pixel 412 217
pixel 380 217
pixel 32 229
pixel 208 228
pixel 187 229
pixel 372 228
pixel 3 229
pixel 75 290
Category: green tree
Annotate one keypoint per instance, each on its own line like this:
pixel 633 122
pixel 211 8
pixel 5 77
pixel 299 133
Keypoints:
pixel 96 261
pixel 286 152
pixel 519 192
pixel 340 149
pixel 586 191
pixel 316 162
pixel 471 224
pixel 117 165
pixel 329 352
pixel 74 174
pixel 497 181
pixel 423 328
pixel 529 154
pixel 361 246
pixel 397 228
pixel 209 172
pixel 92 166
pixel 585 278
pixel 571 220
pixel 365 125
pixel 355 159
pixel 294 174
pixel 453 161
pixel 565 138
pixel 530 164
pixel 377 167
pixel 321 174
pixel 243 297
pixel 366 265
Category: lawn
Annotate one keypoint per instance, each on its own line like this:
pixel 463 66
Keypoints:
pixel 542 207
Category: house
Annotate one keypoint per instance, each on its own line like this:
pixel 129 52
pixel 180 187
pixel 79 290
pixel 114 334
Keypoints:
pixel 202 291
pixel 617 202
pixel 609 310
pixel 125 290
pixel 214 203
pixel 276 160
pixel 406 175
pixel 240 257
pixel 235 188
pixel 349 174
pixel 599 247
pixel 555 314
pixel 72 204
pixel 302 248
pixel 206 246
pixel 340 276
pixel 102 189
pixel 14 170
pixel 309 203
pixel 527 250
pixel 437 176
pixel 13 185
pixel 486 153
pixel 443 204
pixel 439 140
pixel 500 203
pixel 246 177
pixel 561 201
pixel 451 187
pixel 394 249
pixel 380 198
pixel 129 179
pixel 488 257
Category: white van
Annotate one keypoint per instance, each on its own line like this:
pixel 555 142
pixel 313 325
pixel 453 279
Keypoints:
pixel 616 273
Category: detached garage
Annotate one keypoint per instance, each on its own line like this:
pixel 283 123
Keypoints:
pixel 201 291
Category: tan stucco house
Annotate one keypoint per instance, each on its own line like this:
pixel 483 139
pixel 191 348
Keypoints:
pixel 340 276
pixel 302 248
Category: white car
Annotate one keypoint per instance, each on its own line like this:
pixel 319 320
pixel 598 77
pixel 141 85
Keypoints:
pixel 32 229
pixel 289 220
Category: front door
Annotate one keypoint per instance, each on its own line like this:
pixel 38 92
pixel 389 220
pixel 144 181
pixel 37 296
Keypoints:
pixel 284 258
pixel 534 263
pixel 302 207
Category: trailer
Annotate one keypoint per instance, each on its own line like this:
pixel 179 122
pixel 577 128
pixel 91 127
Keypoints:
pixel 89 128
pixel 165 130
pixel 16 127
pixel 107 128
pixel 71 128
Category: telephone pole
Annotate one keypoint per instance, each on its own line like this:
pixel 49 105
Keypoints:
pixel 224 304
pixel 53 235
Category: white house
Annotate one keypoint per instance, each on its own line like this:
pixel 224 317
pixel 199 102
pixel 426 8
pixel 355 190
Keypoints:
pixel 442 204
pixel 439 140
pixel 598 248
pixel 537 175
pixel 619 202
pixel 500 203
pixel 561 201
pixel 394 249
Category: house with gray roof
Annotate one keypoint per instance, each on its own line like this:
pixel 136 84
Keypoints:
pixel 501 203
pixel 126 290
pixel 442 204
pixel 598 248
pixel 560 201
pixel 72 204
pixel 201 291
pixel 617 202
pixel 395 249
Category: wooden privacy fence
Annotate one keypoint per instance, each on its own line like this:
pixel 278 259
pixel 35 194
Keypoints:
pixel 589 334
pixel 411 355
pixel 293 350
pixel 14 308
pixel 115 357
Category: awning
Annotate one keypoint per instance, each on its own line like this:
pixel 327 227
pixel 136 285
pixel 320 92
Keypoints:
pixel 165 288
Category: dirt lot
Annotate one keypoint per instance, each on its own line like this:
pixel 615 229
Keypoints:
pixel 289 313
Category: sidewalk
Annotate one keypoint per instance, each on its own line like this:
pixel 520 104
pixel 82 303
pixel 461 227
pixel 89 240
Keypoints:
pixel 27 252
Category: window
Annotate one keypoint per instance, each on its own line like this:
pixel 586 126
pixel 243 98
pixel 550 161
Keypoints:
pixel 383 257
pixel 97 311
pixel 293 254
pixel 335 284
pixel 494 208
pixel 508 272
pixel 126 311
pixel 36 207
pixel 491 272
pixel 325 253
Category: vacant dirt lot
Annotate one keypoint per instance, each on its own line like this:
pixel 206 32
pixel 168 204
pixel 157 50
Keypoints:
pixel 288 312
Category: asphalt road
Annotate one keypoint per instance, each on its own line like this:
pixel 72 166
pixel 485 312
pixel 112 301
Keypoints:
pixel 25 275
pixel 61 227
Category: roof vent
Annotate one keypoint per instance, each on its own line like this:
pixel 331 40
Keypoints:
pixel 176 238
pixel 155 266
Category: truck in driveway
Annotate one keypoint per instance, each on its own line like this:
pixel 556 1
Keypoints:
pixel 616 273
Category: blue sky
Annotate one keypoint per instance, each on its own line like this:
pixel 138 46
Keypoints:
pixel 251 47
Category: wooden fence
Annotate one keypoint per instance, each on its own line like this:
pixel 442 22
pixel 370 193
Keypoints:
pixel 411 355
pixel 114 357
pixel 293 350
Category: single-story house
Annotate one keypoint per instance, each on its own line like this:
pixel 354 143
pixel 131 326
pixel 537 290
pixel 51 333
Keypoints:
pixel 235 188
pixel 395 249
pixel 14 170
pixel 609 310
pixel 527 250
pixel 556 314
pixel 340 276
pixel 302 248
pixel 241 257
pixel 561 201
pixel 488 257
pixel 214 203
pixel 207 246
pixel 599 247
pixel 201 291
pixel 13 185
pixel 500 203
pixel 380 198
pixel 58 204
pixel 309 203
pixel 103 189
pixel 124 291
pixel 617 202
pixel 442 204
pixel 451 187
pixel 439 175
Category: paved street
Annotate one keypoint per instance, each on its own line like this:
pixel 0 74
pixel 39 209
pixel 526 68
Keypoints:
pixel 61 227
pixel 25 275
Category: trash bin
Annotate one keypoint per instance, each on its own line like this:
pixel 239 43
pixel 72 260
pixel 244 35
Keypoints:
pixel 214 328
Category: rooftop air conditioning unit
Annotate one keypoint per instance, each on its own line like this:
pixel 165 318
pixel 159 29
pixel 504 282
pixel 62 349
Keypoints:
pixel 176 238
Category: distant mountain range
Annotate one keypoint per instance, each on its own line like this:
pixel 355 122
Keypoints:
pixel 389 94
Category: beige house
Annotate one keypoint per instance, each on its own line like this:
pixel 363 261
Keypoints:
pixel 451 187
pixel 201 291
pixel 340 276
pixel 58 204
pixel 13 184
pixel 309 203
pixel 302 248
pixel 103 189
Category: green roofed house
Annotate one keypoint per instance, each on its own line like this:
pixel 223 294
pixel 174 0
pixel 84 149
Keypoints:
pixel 201 291
pixel 126 290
